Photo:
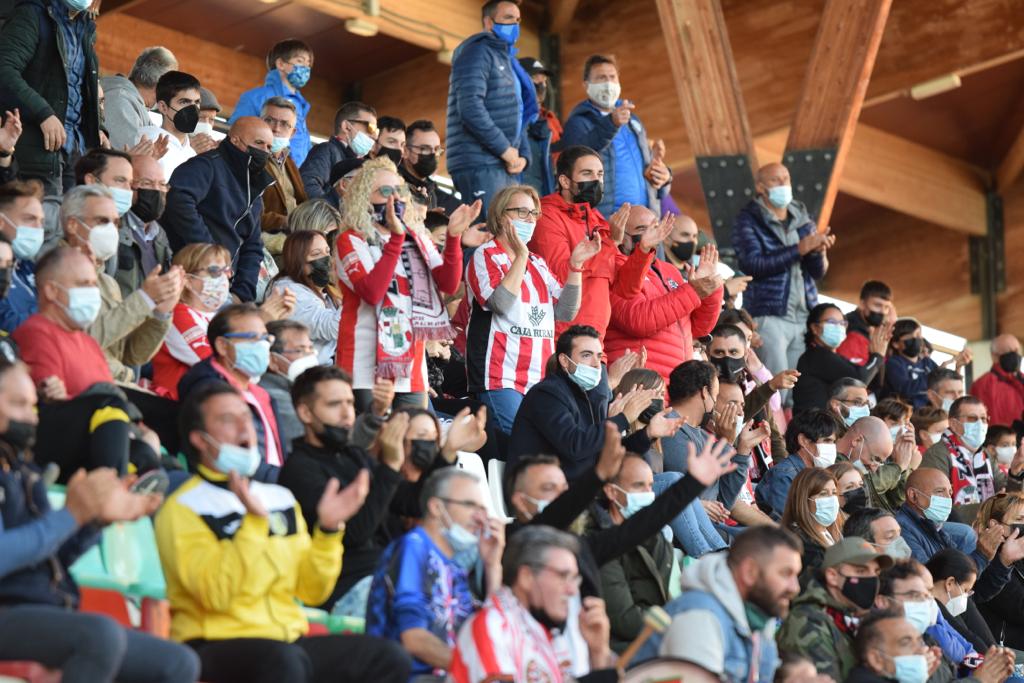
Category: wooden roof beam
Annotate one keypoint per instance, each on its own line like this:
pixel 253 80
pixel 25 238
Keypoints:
pixel 1012 165
pixel 561 13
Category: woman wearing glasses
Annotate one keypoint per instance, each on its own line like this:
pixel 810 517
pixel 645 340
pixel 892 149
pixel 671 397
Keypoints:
pixel 515 302
pixel 392 279
pixel 820 365
pixel 207 281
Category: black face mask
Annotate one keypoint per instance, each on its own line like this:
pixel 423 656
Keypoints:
pixel 149 205
pixel 544 620
pixel 394 154
pixel 186 119
pixel 729 368
pixel 426 165
pixel 861 590
pixel 657 405
pixel 683 250
pixel 320 271
pixel 874 318
pixel 5 280
pixel 424 451
pixel 380 211
pixel 1019 528
pixel 258 157
pixel 912 347
pixel 705 420
pixel 856 499
pixel 588 192
pixel 20 435
pixel 1010 362
pixel 334 438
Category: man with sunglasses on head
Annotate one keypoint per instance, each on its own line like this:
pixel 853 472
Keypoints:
pixel 241 355
pixel 355 133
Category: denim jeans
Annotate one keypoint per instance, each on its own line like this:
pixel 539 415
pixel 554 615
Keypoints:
pixel 482 183
pixel 692 527
pixel 502 406
pixel 782 348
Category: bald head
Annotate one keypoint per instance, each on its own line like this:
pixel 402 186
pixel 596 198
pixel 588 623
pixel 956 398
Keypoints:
pixel 1004 343
pixel 773 174
pixel 877 437
pixel 639 217
pixel 924 483
pixel 147 171
pixel 250 131
pixel 683 230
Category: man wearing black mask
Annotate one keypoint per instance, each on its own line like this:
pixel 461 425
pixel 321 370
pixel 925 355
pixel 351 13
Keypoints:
pixel 177 101
pixel 873 309
pixel 420 160
pixel 218 197
pixel 390 139
pixel 1001 389
pixel 142 242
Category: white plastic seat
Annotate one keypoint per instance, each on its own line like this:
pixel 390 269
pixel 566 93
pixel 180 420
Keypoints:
pixel 496 480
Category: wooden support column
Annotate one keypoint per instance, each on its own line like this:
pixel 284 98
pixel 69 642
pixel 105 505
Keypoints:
pixel 712 106
pixel 837 78
pixel 561 13
pixel 1012 164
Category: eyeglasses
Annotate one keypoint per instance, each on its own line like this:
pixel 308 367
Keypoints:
pixel 567 576
pixel 523 213
pixel 426 150
pixel 301 351
pixel 370 126
pixel 213 271
pixel 150 185
pixel 249 336
pixel 388 190
pixel 858 402
pixel 831 321
pixel 473 505
pixel 272 122
pixel 913 596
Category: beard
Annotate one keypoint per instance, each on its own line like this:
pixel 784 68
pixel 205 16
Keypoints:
pixel 769 603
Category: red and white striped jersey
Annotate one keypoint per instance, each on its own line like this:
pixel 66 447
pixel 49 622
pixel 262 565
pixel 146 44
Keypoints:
pixel 185 345
pixel 357 331
pixel 509 351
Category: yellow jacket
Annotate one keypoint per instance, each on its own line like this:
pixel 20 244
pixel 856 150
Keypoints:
pixel 234 575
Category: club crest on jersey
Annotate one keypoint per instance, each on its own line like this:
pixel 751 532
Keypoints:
pixel 537 315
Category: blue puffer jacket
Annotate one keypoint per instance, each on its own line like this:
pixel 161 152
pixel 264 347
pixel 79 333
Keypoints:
pixel 20 302
pixel 765 258
pixel 251 104
pixel 587 125
pixel 484 105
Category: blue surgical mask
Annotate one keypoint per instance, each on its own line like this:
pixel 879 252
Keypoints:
pixel 361 144
pixel 833 334
pixel 635 501
pixel 78 5
pixel 507 32
pixel 780 196
pixel 524 229
pixel 541 505
pixel 278 144
pixel 27 242
pixel 947 403
pixel 974 434
pixel 911 668
pixel 899 549
pixel 826 510
pixel 921 615
pixel 695 260
pixel 298 76
pixel 252 357
pixel 465 544
pixel 232 458
pixel 122 199
pixel 855 413
pixel 895 432
pixel 84 305
pixel 938 509
pixel 585 376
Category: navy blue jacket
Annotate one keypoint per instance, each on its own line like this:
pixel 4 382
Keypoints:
pixel 216 197
pixel 587 125
pixel 37 544
pixel 762 256
pixel 484 105
pixel 316 169
pixel 558 418
pixel 20 302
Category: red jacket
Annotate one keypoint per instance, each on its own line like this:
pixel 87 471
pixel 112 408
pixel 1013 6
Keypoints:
pixel 561 227
pixel 665 318
pixel 1003 395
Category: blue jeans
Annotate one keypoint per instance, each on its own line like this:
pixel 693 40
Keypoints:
pixel 482 183
pixel 692 527
pixel 502 406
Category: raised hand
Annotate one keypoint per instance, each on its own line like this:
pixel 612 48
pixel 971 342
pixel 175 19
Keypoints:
pixel 468 432
pixel 637 402
pixel 515 242
pixel 585 250
pixel 492 542
pixel 239 486
pixel 10 131
pixel 1013 548
pixel 786 379
pixel 391 218
pixel 621 114
pixel 144 147
pixel 989 539
pixel 338 505
pixel 391 439
pixel 878 342
pixel 621 366
pixel 612 452
pixel 596 631
pixel 712 462
pixel 661 425
pixel 278 305
pixel 652 237
pixel 463 217
pixel 751 436
pixel 617 223
pixel 708 262
pixel 202 143
pixel 160 146
pixel 725 421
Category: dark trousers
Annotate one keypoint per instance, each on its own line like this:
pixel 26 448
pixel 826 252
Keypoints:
pixel 91 648
pixel 413 399
pixel 321 659
pixel 87 431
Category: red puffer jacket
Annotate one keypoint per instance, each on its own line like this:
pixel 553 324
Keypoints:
pixel 665 318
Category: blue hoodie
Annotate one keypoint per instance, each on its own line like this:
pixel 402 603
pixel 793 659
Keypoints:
pixel 251 104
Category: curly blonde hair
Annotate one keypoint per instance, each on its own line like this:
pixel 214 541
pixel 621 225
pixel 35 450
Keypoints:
pixel 358 209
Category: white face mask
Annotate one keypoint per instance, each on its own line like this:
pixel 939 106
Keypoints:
pixel 604 94
pixel 103 241
pixel 826 456
pixel 957 604
pixel 203 128
pixel 300 365
pixel 1004 454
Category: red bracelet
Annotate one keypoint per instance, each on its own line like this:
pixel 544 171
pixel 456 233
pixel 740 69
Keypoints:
pixel 574 270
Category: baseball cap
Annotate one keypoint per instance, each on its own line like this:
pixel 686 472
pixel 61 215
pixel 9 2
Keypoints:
pixel 207 100
pixel 855 550
pixel 533 66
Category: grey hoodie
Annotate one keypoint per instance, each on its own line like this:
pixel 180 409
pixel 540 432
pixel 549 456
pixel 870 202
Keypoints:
pixel 124 112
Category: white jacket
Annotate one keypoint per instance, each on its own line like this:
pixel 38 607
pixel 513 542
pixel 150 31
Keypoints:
pixel 319 314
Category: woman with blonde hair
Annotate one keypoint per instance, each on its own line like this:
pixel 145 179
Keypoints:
pixel 207 281
pixel 812 513
pixel 392 279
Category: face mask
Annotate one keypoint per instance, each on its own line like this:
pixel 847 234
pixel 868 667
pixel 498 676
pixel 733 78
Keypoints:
pixel 604 94
pixel 20 435
pixel 541 505
pixel 423 452
pixel 589 192
pixel 232 458
pixel 1009 362
pixel 900 550
pixel 380 211
pixel 300 365
pixel 861 590
pixel 6 274
pixel 27 241
pixel 855 413
pixel 938 509
pixel 186 119
pixel 298 76
pixel 103 241
pixel 832 334
pixel 252 358
pixel 895 432
pixel 214 292
pixel 683 250
pixel 426 165
pixel 860 466
pixel 586 377
pixel 856 499
pixel 947 404
pixel 826 455
pixel 635 502
pixel 921 615
pixel 122 199
pixel 729 368
pixel 974 434
pixel 911 668
pixel 361 144
pixel 826 510
pixel 78 5
pixel 149 205
pixel 277 144
pixel 203 128
pixel 507 32
pixel 463 541
pixel 934 437
pixel 258 158
pixel 912 347
pixel 657 405
pixel 739 426
pixel 334 438
pixel 780 196
pixel 1004 454
pixel 874 318
pixel 524 229
pixel 83 305
pixel 709 413
pixel 320 271
pixel 391 153
pixel 957 604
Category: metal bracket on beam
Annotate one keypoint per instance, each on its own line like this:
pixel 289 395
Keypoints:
pixel 810 171
pixel 728 184
pixel 988 265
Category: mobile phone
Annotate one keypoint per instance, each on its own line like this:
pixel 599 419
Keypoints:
pixel 154 481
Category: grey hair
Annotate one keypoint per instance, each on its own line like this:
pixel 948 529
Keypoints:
pixel 278 101
pixel 151 64
pixel 314 214
pixel 529 547
pixel 439 484
pixel 839 387
pixel 73 205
